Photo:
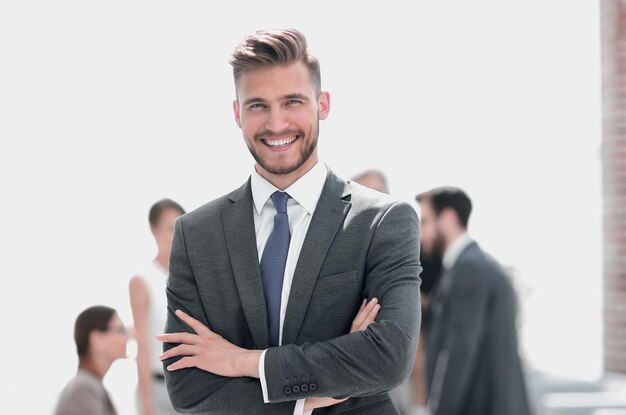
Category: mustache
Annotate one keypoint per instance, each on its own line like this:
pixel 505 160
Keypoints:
pixel 269 134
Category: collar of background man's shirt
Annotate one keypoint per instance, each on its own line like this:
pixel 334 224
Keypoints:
pixel 305 191
pixel 455 249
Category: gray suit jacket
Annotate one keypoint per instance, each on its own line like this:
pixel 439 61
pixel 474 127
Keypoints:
pixel 360 244
pixel 473 366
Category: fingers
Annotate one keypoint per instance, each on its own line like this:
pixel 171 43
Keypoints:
pixel 359 316
pixel 362 314
pixel 186 338
pixel 371 317
pixel 183 337
pixel 180 350
pixel 197 326
pixel 361 321
pixel 183 363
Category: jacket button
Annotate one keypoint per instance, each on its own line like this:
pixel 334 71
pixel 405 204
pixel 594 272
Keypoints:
pixel 313 386
pixel 287 390
pixel 304 387
pixel 296 388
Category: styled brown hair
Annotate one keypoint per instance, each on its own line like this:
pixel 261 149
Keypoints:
pixel 274 47
pixel 93 318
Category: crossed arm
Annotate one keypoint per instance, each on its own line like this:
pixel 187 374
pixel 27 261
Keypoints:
pixel 356 364
pixel 210 352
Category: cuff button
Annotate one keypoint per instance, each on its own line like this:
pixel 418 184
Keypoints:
pixel 296 389
pixel 312 386
pixel 304 387
pixel 287 390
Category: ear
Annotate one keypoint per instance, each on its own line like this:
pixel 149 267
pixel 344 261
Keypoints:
pixel 449 218
pixel 323 104
pixel 95 341
pixel 237 114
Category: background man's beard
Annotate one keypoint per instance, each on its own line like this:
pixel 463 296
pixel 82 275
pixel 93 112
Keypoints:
pixel 439 245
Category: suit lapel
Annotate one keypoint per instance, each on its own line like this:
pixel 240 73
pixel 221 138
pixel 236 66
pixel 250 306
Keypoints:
pixel 329 214
pixel 244 259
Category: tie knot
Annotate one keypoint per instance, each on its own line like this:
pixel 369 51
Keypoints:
pixel 280 201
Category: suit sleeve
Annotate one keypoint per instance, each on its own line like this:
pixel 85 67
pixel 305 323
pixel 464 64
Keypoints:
pixel 194 390
pixel 379 358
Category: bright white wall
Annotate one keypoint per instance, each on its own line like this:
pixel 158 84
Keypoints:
pixel 106 107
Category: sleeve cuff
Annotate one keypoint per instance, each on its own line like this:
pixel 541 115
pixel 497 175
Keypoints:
pixel 262 378
pixel 299 409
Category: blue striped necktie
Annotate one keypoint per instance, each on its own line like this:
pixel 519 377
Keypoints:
pixel 273 265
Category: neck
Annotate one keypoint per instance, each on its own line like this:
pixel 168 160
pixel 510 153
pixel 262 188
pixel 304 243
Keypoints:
pixel 163 260
pixel 97 366
pixel 283 181
pixel 453 236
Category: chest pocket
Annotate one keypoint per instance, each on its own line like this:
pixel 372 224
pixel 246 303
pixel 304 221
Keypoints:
pixel 336 280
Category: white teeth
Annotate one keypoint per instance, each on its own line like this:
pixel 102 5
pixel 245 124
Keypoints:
pixel 281 142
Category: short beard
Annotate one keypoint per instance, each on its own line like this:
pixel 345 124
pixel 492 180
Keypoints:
pixel 304 156
pixel 439 244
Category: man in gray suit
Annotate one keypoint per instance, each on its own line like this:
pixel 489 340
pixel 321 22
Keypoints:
pixel 265 281
pixel 472 362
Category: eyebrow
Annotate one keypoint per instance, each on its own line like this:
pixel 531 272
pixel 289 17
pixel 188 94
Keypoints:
pixel 296 96
pixel 288 96
pixel 251 100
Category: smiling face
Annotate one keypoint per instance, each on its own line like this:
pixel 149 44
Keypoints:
pixel 278 112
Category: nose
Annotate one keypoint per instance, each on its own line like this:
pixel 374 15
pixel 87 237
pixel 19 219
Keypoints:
pixel 277 120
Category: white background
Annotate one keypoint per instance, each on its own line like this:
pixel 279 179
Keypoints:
pixel 106 107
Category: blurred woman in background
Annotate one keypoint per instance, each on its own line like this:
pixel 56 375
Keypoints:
pixel 149 306
pixel 101 339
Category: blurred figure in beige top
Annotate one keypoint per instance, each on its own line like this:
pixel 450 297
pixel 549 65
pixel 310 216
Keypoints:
pixel 100 339
pixel 148 303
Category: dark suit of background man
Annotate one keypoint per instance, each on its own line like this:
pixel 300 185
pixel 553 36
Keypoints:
pixel 472 362
pixel 347 243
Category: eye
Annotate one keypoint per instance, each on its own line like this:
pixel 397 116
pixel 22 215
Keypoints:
pixel 256 105
pixel 293 102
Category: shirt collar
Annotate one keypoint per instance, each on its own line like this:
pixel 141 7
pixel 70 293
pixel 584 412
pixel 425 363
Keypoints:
pixel 305 191
pixel 455 249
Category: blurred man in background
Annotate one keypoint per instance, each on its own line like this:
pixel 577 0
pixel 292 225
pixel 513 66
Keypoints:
pixel 472 362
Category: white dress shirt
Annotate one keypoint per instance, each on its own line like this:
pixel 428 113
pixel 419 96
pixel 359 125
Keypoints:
pixel 455 250
pixel 304 192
